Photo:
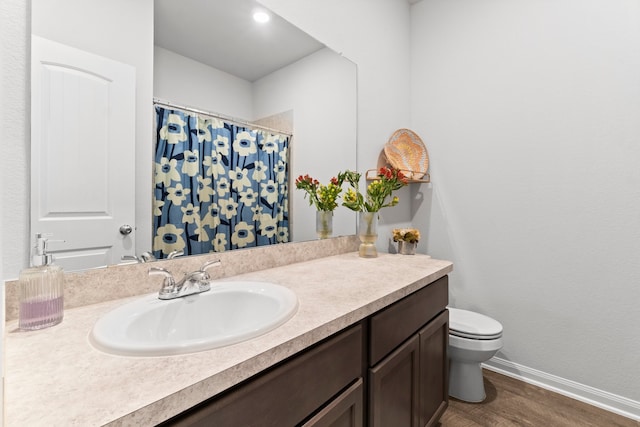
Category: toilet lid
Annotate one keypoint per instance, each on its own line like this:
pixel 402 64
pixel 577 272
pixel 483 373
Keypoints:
pixel 468 324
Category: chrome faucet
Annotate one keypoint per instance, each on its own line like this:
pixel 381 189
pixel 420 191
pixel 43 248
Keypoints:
pixel 130 258
pixel 148 256
pixel 174 254
pixel 192 283
pixel 144 257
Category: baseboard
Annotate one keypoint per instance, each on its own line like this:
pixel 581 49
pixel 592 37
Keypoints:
pixel 608 401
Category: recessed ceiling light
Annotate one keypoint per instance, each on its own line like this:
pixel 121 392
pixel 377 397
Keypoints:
pixel 261 17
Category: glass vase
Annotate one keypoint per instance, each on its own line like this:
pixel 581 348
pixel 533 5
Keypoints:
pixel 368 234
pixel 324 224
pixel 407 248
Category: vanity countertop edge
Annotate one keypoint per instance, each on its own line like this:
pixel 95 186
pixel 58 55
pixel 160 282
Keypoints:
pixel 55 377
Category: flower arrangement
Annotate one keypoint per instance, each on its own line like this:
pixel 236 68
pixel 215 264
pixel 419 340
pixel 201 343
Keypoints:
pixel 323 197
pixel 410 235
pixel 378 191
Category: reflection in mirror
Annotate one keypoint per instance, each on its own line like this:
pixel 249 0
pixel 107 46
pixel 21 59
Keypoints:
pixel 218 185
pixel 312 97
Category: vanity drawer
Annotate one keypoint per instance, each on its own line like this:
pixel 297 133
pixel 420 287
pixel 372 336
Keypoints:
pixel 287 394
pixel 393 325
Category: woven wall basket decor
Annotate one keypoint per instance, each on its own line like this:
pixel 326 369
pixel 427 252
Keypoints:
pixel 405 151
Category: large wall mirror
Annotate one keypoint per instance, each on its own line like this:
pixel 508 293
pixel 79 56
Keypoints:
pixel 207 56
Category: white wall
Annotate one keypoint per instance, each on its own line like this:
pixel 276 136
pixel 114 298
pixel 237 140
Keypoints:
pixel 2 184
pixel 321 91
pixel 14 42
pixel 375 35
pixel 125 37
pixel 531 113
pixel 190 83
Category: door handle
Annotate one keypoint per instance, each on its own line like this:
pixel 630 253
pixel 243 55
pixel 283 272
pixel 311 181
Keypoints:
pixel 125 229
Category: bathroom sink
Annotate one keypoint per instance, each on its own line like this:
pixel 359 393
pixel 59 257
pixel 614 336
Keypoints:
pixel 231 312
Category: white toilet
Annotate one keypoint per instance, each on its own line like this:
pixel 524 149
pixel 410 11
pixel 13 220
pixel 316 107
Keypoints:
pixel 473 338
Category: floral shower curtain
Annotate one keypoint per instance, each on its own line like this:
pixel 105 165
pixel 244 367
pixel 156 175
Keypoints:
pixel 218 186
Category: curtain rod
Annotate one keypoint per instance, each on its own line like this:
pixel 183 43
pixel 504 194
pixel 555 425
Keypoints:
pixel 218 116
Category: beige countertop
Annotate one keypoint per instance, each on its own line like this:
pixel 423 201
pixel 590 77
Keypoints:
pixel 54 377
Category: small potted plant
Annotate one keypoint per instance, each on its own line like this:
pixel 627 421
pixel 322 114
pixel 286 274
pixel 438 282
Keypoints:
pixel 407 239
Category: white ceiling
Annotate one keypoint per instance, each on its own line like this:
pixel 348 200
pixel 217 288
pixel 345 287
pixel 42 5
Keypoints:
pixel 223 34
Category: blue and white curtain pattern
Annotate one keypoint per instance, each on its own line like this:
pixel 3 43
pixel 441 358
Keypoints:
pixel 217 186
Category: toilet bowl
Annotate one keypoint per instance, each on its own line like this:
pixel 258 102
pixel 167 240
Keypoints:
pixel 473 338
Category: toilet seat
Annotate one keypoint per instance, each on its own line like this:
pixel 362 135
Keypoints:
pixel 471 325
pixel 474 345
pixel 474 336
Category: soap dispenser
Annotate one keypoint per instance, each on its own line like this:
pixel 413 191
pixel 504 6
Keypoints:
pixel 41 290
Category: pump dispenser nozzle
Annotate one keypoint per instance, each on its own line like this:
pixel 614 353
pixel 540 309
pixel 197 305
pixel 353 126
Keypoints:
pixel 40 255
pixel 41 289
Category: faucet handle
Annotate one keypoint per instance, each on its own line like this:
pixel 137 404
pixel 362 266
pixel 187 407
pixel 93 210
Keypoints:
pixel 208 265
pixel 147 257
pixel 174 254
pixel 168 284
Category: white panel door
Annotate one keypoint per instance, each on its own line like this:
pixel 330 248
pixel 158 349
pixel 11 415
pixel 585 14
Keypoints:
pixel 82 154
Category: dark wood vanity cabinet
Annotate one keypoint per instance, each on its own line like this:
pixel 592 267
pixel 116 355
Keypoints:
pixel 388 370
pixel 408 365
pixel 393 387
pixel 320 381
pixel 346 410
pixel 434 370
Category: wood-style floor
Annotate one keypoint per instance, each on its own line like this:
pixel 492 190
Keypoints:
pixel 511 402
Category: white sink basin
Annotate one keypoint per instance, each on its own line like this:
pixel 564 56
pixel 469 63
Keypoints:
pixel 229 313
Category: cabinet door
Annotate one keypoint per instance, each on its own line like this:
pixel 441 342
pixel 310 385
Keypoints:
pixel 287 394
pixel 391 326
pixel 434 369
pixel 393 388
pixel 344 411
